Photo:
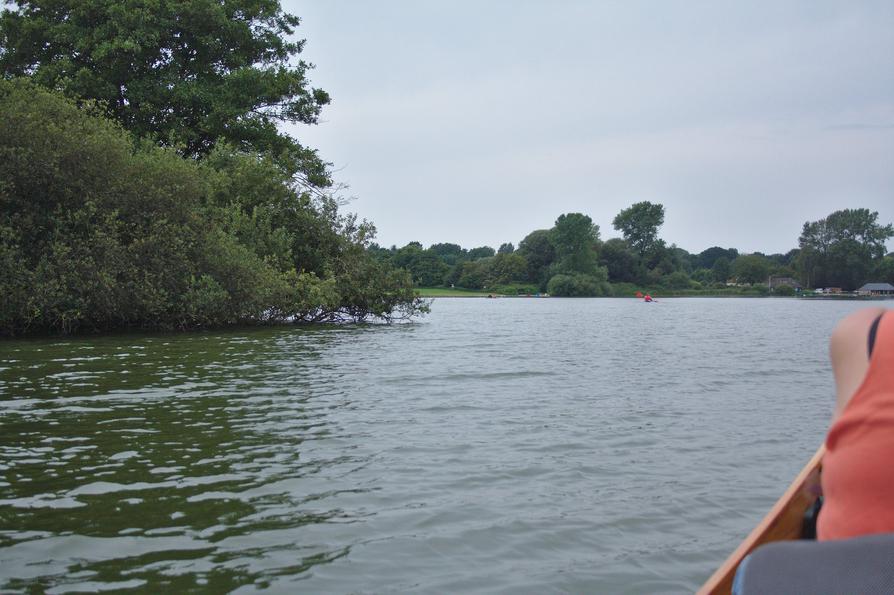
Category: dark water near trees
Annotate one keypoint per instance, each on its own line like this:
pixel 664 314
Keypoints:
pixel 496 446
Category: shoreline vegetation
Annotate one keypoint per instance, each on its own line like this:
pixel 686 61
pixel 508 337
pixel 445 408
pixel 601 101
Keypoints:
pixel 101 231
pixel 839 253
pixel 731 292
pixel 149 186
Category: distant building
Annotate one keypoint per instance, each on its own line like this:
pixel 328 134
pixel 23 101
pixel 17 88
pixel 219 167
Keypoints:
pixel 779 281
pixel 876 289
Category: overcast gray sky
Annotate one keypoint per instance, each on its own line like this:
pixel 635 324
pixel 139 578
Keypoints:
pixel 478 122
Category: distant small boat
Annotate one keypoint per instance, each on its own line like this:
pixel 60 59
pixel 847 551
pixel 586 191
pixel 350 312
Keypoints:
pixel 785 521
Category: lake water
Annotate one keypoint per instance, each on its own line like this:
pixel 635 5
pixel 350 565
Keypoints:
pixel 496 446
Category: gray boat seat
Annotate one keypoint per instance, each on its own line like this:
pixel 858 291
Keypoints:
pixel 862 565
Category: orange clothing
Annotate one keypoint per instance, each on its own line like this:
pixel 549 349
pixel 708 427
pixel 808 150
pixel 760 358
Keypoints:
pixel 858 467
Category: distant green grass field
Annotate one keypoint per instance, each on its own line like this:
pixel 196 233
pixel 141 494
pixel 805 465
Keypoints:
pixel 445 292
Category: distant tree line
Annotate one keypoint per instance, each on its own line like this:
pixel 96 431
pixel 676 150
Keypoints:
pixel 144 183
pixel 843 250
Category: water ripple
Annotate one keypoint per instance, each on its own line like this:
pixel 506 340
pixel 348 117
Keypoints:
pixel 497 446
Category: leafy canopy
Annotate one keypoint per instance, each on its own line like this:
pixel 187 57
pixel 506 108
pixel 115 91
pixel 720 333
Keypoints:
pixel 481 252
pixel 706 258
pixel 574 237
pixel 751 268
pixel 538 251
pixel 620 261
pixel 859 225
pixel 187 74
pixel 96 234
pixel 639 223
pixel 842 249
pixel 721 270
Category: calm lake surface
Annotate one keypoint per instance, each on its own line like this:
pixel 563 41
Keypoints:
pixel 496 446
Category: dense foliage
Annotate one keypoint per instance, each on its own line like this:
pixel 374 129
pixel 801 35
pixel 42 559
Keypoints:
pixel 845 250
pixel 186 74
pixel 639 224
pixel 96 234
pixel 144 182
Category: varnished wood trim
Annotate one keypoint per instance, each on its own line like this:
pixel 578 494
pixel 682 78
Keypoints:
pixel 783 522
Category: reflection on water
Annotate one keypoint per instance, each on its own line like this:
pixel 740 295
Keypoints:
pixel 498 445
pixel 173 461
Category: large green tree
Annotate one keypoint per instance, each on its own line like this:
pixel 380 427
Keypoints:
pixel 576 271
pixel 706 258
pixel 506 248
pixel 751 268
pixel 187 74
pixel 842 249
pixel 428 270
pixel 620 261
pixel 639 224
pixel 539 253
pixel 721 270
pixel 574 237
pixel 98 232
pixel 449 253
pixel 849 263
pixel 507 268
pixel 481 252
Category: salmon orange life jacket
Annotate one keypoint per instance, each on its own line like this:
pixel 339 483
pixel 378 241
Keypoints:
pixel 858 467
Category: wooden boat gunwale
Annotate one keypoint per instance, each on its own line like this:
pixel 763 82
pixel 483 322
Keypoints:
pixel 783 522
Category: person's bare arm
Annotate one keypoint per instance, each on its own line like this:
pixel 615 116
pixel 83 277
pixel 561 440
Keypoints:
pixel 848 350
